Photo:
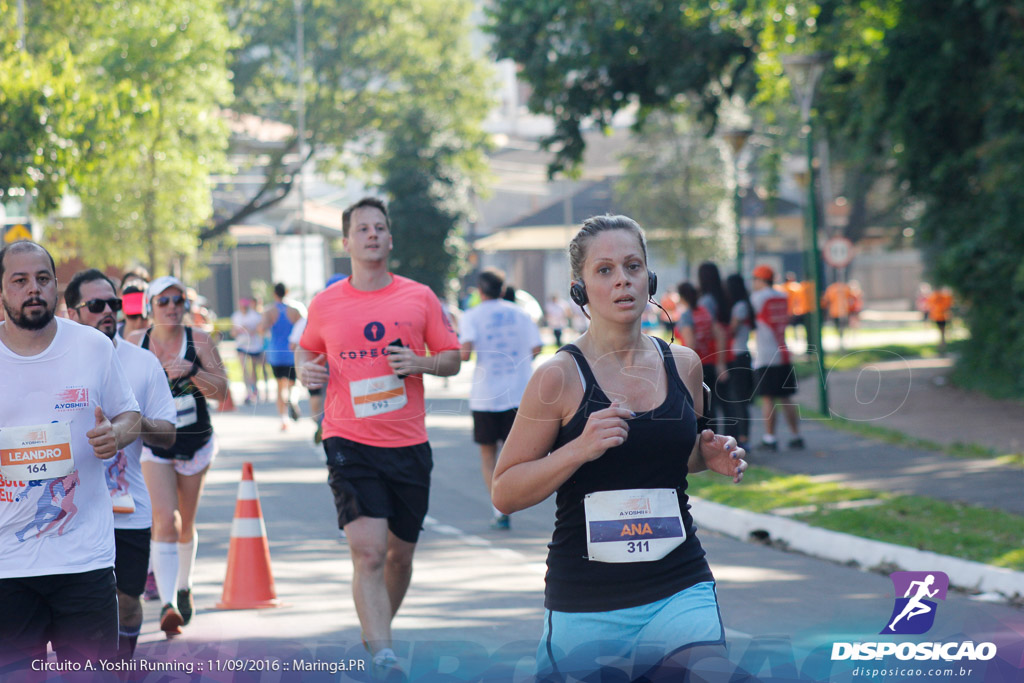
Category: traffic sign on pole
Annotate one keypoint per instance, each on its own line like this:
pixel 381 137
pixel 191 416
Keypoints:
pixel 838 252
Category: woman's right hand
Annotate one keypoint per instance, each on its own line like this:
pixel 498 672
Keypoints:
pixel 606 428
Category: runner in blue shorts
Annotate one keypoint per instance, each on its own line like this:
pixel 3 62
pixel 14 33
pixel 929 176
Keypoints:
pixel 610 426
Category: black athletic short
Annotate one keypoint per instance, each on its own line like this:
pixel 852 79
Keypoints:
pixel 132 561
pixel 775 380
pixel 489 428
pixel 387 483
pixel 75 612
pixel 284 371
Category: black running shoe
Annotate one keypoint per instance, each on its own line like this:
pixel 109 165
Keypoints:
pixel 185 605
pixel 796 443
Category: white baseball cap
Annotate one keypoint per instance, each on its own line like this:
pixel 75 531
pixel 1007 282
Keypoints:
pixel 162 284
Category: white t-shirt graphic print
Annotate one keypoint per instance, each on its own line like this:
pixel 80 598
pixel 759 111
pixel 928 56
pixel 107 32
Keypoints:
pixel 65 524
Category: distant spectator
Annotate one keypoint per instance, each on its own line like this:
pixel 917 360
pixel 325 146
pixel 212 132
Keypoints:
pixel 773 368
pixel 556 311
pixel 799 297
pixel 712 297
pixel 740 387
pixel 837 302
pixel 939 306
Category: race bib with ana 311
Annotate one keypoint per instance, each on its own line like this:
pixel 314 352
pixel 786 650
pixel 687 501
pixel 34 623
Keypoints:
pixel 633 525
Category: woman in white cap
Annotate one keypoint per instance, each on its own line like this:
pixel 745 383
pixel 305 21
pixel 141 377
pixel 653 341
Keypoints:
pixel 175 475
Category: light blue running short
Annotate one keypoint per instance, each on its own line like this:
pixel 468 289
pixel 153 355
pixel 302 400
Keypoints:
pixel 632 640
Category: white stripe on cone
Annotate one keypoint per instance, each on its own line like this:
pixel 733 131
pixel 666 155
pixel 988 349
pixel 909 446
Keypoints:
pixel 248 527
pixel 247 490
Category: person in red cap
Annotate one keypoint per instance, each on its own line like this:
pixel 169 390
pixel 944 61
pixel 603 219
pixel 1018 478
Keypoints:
pixel 774 379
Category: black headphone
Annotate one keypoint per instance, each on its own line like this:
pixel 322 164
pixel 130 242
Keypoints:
pixel 578 290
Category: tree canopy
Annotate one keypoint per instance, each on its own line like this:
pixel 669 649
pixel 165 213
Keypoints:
pixel 126 118
pixel 367 64
pixel 929 94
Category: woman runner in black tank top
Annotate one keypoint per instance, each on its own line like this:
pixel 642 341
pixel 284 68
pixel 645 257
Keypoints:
pixel 175 476
pixel 610 424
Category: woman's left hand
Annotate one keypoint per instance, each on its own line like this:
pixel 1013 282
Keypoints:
pixel 721 454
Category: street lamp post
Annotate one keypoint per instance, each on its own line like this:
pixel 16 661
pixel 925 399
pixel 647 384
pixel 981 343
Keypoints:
pixel 804 72
pixel 737 139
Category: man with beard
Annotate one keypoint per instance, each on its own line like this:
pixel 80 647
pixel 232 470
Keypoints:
pixel 92 300
pixel 65 407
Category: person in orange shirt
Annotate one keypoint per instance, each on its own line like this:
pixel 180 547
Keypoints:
pixel 836 300
pixel 798 296
pixel 939 305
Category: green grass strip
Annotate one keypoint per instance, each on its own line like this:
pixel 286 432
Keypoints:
pixel 969 532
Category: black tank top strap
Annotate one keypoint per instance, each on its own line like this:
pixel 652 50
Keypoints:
pixel 592 391
pixel 145 339
pixel 191 354
pixel 671 369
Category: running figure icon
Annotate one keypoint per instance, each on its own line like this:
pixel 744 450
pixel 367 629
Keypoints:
pixel 915 606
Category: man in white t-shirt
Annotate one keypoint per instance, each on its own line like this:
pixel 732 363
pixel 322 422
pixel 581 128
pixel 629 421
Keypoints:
pixel 506 340
pixel 65 408
pixel 91 300
pixel 774 378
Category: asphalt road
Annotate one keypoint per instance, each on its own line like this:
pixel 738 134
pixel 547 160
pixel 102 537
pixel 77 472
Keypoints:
pixel 474 611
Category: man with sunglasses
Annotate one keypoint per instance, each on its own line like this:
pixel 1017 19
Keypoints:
pixel 175 475
pixel 91 300
pixel 66 408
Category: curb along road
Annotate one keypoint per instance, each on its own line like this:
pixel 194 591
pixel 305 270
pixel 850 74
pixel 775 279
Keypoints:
pixel 847 549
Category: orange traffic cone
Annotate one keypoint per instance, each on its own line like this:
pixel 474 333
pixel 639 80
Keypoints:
pixel 249 583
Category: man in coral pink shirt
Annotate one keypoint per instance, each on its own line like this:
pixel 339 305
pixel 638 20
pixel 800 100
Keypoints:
pixel 373 336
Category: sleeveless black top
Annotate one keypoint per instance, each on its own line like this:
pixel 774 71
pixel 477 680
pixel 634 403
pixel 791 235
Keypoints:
pixel 654 456
pixel 193 437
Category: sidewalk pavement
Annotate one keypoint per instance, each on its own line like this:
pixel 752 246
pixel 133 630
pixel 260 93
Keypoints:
pixel 913 397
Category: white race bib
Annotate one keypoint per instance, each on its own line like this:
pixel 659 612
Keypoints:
pixel 36 452
pixel 186 406
pixel 634 525
pixel 377 395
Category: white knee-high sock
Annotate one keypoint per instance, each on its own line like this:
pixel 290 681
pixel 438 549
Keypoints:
pixel 187 561
pixel 165 569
